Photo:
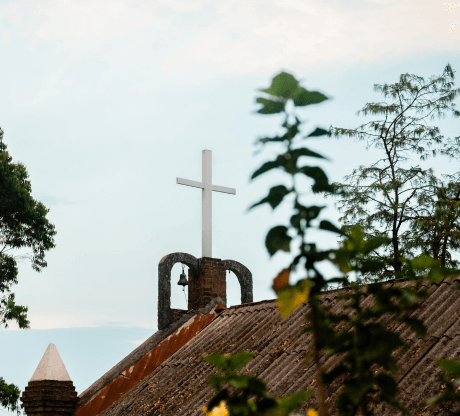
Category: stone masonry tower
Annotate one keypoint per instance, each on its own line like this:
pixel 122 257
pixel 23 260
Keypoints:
pixel 206 282
pixel 50 391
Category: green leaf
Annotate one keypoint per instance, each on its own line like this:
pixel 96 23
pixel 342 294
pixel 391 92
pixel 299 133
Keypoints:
pixel 303 97
pixel 230 362
pixel 387 384
pixel 422 262
pixel 372 266
pixel 216 360
pixel 270 106
pixel 283 85
pixel 257 386
pixel 321 182
pixel 239 359
pixel 328 226
pixel 451 366
pixel 319 132
pixel 308 213
pixel 417 326
pixel 265 168
pixel 291 403
pixel 272 139
pixel 275 196
pixel 291 297
pixel 374 243
pixel 304 152
pixel 295 221
pixel 277 239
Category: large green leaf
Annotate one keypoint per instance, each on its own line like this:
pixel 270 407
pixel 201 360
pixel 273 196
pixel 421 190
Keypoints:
pixel 305 213
pixel 319 132
pixel 387 384
pixel 277 239
pixel 328 226
pixel 275 196
pixel 229 363
pixel 266 167
pixel 283 85
pixel 291 297
pixel 291 403
pixel 217 360
pixel 239 359
pixel 288 161
pixel 308 213
pixel 296 153
pixel 303 97
pixel 372 266
pixel 270 106
pixel 321 181
pixel 451 366
pixel 374 243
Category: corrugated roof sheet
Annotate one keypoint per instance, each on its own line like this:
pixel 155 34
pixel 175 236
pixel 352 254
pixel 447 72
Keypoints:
pixel 179 386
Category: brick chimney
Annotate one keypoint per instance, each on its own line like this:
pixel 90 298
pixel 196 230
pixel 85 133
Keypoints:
pixel 50 391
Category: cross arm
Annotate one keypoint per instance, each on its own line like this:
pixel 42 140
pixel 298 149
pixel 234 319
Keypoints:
pixel 224 189
pixel 190 183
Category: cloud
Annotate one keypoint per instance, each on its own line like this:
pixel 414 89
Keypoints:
pixel 90 49
pixel 77 320
pixel 54 321
pixel 50 200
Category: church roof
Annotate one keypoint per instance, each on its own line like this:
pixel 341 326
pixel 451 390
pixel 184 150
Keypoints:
pixel 178 386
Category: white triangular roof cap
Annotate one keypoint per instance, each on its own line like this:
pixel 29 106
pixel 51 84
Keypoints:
pixel 51 366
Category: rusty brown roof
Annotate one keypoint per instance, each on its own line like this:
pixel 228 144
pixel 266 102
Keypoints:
pixel 179 387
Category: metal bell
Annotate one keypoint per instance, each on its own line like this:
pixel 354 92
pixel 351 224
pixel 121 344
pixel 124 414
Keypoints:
pixel 183 278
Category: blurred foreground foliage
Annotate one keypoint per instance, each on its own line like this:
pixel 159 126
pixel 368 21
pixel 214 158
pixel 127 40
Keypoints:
pixel 354 333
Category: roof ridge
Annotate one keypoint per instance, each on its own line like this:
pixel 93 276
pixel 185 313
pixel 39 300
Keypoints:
pixel 242 305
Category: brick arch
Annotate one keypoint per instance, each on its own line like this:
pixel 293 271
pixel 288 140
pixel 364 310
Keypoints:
pixel 244 277
pixel 164 283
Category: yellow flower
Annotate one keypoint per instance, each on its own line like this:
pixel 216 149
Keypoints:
pixel 221 410
pixel 312 412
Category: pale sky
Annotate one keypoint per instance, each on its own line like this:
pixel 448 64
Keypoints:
pixel 107 102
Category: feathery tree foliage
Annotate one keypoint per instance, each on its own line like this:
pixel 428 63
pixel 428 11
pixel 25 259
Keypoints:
pixel 394 196
pixel 436 228
pixel 23 225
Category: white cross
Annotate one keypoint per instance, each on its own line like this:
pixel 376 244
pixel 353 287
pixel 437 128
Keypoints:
pixel 207 187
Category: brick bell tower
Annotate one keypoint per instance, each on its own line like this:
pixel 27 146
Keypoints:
pixel 206 276
pixel 206 282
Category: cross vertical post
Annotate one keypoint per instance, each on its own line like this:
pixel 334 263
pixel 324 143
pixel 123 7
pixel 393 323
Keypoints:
pixel 207 187
pixel 206 219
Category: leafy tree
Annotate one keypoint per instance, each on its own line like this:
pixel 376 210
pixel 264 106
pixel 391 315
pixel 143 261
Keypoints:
pixel 353 333
pixel 9 396
pixel 23 225
pixel 391 197
pixel 435 229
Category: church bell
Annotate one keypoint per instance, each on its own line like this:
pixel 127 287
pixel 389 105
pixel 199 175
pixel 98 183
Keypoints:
pixel 183 279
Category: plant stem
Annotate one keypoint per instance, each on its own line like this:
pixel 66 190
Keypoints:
pixel 320 390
